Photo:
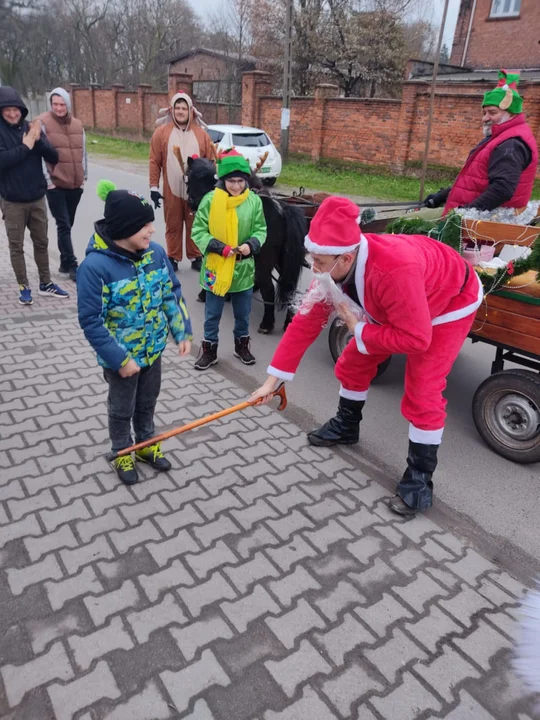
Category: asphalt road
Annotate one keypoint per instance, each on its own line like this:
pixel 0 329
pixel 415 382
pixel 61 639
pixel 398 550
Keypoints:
pixel 477 492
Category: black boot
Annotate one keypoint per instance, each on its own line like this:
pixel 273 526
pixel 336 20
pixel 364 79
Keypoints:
pixel 174 264
pixel 343 429
pixel 196 264
pixel 415 489
pixel 242 351
pixel 207 356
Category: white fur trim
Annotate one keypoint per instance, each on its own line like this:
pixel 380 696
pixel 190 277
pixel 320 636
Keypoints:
pixel 327 249
pixel 425 437
pixel 353 394
pixel 281 374
pixel 359 276
pixel 154 189
pixel 461 312
pixel 358 337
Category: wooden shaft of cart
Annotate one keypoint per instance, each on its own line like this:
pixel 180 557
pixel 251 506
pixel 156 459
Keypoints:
pixel 279 392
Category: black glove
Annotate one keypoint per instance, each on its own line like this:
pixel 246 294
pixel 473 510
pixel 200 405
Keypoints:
pixel 430 201
pixel 156 196
pixel 437 199
pixel 215 246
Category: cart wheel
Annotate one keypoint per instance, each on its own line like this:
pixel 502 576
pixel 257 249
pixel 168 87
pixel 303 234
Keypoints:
pixel 339 336
pixel 506 412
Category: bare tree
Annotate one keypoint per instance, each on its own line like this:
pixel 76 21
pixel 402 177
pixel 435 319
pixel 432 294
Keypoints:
pixel 229 28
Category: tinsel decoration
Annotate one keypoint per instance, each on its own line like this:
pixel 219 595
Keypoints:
pixel 448 231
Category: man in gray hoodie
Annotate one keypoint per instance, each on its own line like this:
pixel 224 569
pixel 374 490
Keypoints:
pixel 65 180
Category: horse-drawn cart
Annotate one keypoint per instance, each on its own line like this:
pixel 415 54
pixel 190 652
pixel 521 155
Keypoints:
pixel 506 406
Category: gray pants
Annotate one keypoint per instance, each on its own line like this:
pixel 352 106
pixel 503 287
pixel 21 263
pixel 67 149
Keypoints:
pixel 132 399
pixel 18 217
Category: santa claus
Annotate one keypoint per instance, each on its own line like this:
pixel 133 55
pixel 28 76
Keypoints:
pixel 404 294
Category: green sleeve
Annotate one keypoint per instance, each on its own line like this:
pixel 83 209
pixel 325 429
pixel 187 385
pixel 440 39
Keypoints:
pixel 200 234
pixel 259 223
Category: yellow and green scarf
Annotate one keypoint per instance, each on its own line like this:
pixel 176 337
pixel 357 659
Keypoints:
pixel 223 225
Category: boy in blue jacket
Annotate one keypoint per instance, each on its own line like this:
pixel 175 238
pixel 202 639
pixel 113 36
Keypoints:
pixel 129 299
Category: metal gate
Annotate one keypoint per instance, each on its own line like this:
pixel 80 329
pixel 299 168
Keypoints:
pixel 222 99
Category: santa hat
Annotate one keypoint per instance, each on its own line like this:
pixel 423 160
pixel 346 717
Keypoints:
pixel 335 228
pixel 505 96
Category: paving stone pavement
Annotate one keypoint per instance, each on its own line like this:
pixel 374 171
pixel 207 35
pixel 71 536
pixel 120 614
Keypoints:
pixel 261 579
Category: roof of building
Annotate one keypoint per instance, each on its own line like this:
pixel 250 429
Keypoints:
pixel 231 56
pixel 469 76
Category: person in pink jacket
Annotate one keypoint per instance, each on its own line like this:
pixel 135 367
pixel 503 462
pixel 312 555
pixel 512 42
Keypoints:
pixel 406 294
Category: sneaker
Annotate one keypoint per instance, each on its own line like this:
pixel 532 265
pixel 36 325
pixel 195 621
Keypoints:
pixel 52 290
pixel 242 351
pixel 73 273
pixel 25 297
pixel 174 264
pixel 154 457
pixel 125 469
pixel 196 264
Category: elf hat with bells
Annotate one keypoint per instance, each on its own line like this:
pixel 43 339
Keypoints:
pixel 505 96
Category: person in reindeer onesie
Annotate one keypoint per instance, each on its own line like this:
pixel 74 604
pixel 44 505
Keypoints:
pixel 179 135
pixel 405 294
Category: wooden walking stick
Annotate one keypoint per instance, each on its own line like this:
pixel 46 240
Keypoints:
pixel 280 391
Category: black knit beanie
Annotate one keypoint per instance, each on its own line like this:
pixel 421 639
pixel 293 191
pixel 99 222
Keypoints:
pixel 126 212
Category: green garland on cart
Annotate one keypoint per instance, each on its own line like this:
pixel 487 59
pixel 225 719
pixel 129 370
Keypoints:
pixel 448 231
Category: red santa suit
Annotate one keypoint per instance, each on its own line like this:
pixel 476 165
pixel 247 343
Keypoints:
pixel 419 298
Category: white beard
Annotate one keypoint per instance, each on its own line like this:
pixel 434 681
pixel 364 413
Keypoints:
pixel 323 289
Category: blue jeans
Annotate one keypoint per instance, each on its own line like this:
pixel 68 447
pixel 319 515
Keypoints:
pixel 241 302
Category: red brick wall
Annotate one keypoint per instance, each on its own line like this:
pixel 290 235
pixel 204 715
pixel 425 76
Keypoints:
pixel 367 138
pixel 82 102
pixel 498 42
pixel 104 108
pixel 384 132
pixel 373 131
pixel 127 112
pixel 153 102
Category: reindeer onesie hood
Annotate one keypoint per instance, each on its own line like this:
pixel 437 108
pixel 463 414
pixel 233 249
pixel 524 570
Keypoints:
pixel 170 148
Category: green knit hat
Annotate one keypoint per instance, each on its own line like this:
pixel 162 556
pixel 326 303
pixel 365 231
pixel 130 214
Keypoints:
pixel 232 162
pixel 505 96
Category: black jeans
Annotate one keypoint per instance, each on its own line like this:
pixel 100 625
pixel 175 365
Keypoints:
pixel 132 399
pixel 63 205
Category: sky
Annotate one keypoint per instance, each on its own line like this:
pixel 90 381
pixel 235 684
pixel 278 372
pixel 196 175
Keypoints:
pixel 203 7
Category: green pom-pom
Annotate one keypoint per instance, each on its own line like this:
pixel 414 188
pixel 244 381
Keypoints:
pixel 104 187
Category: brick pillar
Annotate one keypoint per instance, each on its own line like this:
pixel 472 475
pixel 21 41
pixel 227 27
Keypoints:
pixel 142 88
pixel 93 87
pixel 115 89
pixel 73 92
pixel 180 82
pixel 323 92
pixel 405 125
pixel 254 84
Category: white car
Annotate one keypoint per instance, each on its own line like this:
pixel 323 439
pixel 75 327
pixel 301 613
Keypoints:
pixel 252 143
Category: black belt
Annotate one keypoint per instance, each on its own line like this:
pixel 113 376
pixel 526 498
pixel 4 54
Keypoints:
pixel 467 273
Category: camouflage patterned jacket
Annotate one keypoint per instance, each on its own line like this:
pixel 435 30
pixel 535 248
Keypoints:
pixel 127 305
